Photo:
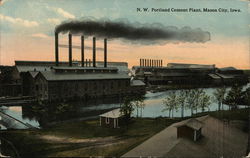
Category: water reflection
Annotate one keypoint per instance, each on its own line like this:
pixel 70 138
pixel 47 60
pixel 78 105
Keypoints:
pixel 45 113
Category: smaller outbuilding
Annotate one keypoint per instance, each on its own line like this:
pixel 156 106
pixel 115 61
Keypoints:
pixel 111 119
pixel 190 129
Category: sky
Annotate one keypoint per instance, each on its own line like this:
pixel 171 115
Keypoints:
pixel 27 30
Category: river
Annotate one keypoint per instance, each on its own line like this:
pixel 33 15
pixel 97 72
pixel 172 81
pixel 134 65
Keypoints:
pixel 153 108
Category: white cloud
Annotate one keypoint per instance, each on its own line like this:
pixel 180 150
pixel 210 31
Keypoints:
pixel 40 35
pixel 64 13
pixel 54 20
pixel 18 21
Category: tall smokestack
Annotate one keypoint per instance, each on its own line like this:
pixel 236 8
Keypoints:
pixel 105 52
pixel 82 50
pixel 56 49
pixel 94 49
pixel 140 62
pixel 70 50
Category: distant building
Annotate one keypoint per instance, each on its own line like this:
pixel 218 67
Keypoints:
pixel 111 119
pixel 190 129
pixel 185 65
pixel 180 73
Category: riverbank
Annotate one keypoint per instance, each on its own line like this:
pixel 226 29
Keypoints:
pixel 87 138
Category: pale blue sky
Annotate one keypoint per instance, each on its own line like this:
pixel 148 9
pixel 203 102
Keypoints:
pixel 41 10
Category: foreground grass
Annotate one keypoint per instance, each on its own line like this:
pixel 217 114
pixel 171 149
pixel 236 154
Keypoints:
pixel 29 143
pixel 237 114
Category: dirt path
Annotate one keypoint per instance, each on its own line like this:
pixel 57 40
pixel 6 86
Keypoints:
pixel 57 139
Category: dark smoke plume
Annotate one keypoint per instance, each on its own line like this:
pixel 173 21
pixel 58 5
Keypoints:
pixel 136 32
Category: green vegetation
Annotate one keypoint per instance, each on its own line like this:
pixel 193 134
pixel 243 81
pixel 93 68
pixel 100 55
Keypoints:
pixel 171 103
pixel 219 96
pixel 234 96
pixel 192 99
pixel 85 138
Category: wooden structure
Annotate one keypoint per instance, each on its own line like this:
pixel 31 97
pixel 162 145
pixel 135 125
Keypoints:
pixel 111 119
pixel 190 129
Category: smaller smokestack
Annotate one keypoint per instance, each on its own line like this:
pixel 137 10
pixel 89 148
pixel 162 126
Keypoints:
pixel 82 50
pixel 94 52
pixel 56 49
pixel 89 63
pixel 140 62
pixel 161 63
pixel 70 50
pixel 105 52
pixel 86 62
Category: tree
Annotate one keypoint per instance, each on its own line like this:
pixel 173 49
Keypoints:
pixel 234 96
pixel 190 99
pixel 204 101
pixel 170 103
pixel 219 95
pixel 182 101
pixel 139 104
pixel 127 109
pixel 247 97
pixel 197 97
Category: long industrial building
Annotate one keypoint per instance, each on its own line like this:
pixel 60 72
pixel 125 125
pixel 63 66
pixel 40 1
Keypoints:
pixel 53 81
pixel 153 72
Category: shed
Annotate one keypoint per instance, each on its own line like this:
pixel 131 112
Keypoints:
pixel 111 119
pixel 190 128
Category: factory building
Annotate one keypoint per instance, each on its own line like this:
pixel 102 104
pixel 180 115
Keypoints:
pixel 52 81
pixel 73 83
pixel 153 72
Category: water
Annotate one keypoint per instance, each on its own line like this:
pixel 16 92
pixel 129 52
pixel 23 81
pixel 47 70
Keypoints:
pixel 16 112
pixel 153 108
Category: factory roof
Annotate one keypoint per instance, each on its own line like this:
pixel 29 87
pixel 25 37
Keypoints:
pixel 192 123
pixel 33 73
pixel 116 113
pixel 186 65
pixel 52 76
pixel 22 68
pixel 137 83
pixel 174 74
pixel 148 73
pixel 214 76
pixel 82 68
pixel 227 68
pixel 225 76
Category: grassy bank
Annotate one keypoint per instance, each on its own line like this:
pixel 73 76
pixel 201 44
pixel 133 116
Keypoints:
pixel 237 114
pixel 85 138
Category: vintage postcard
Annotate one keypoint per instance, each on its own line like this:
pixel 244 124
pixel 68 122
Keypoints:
pixel 116 78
